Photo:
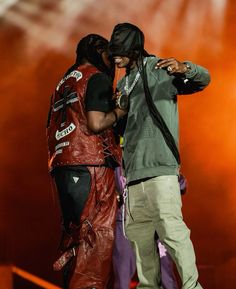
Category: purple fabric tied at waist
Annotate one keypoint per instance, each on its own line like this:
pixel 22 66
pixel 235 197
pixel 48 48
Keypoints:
pixel 120 180
pixel 182 184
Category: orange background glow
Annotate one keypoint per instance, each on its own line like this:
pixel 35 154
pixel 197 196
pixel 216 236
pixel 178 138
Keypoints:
pixel 37 44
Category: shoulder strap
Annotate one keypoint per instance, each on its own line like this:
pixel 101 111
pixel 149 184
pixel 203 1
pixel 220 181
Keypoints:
pixel 158 119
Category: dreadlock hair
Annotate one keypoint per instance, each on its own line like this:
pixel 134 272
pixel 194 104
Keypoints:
pixel 128 40
pixel 155 114
pixel 90 49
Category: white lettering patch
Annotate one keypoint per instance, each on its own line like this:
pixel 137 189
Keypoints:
pixel 76 74
pixel 58 152
pixel 65 131
pixel 62 144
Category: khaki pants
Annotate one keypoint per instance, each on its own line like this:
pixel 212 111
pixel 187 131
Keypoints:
pixel 155 205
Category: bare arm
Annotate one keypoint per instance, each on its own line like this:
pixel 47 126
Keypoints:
pixel 99 121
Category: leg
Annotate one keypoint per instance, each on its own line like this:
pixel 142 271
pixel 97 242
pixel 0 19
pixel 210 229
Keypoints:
pixel 123 257
pixel 73 186
pixel 140 231
pixel 168 279
pixel 93 262
pixel 165 203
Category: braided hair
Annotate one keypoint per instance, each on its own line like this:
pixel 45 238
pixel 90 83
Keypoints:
pixel 90 49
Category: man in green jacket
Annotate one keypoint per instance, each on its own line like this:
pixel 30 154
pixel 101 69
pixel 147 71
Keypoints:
pixel 151 159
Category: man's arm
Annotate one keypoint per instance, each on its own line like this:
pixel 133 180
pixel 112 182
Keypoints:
pixel 101 110
pixel 190 77
pixel 99 121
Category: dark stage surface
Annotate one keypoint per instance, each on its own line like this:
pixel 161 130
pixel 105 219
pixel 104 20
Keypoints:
pixel 37 44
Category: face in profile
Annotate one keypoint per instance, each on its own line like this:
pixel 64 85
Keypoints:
pixel 106 59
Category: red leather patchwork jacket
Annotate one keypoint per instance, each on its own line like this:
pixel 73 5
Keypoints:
pixel 70 141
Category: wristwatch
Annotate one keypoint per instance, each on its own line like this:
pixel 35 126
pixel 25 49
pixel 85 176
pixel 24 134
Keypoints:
pixel 122 101
pixel 187 66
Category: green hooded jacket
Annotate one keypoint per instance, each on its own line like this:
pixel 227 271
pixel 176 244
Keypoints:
pixel 145 151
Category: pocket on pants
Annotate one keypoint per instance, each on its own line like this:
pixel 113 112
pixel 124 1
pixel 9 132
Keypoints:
pixel 163 194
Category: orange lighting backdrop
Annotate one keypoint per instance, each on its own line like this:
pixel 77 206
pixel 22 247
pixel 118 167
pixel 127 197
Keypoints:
pixel 37 44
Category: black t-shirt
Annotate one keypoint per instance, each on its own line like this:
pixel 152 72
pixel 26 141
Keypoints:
pixel 99 98
pixel 99 93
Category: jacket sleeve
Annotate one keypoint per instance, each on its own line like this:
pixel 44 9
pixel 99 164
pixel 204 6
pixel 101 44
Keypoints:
pixel 194 80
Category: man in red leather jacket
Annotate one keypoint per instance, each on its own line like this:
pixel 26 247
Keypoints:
pixel 82 157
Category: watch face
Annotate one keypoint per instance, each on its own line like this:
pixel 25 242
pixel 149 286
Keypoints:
pixel 123 101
